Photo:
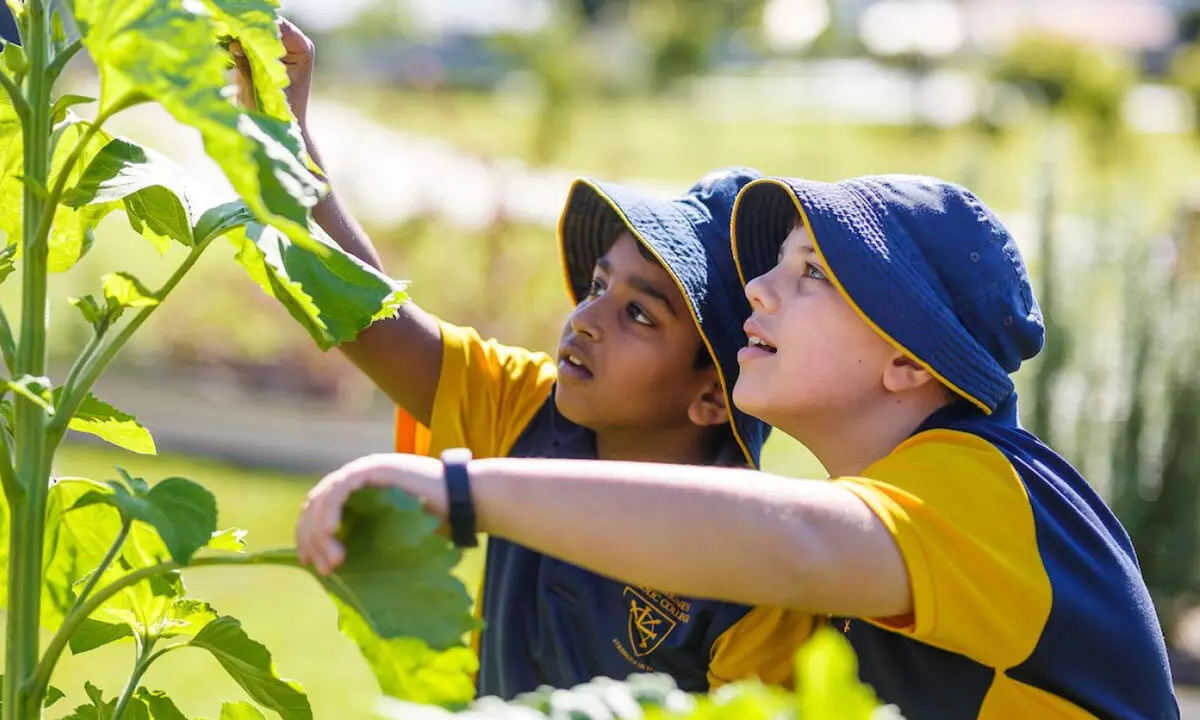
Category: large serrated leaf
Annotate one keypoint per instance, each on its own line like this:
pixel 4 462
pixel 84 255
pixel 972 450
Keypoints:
pixel 333 297
pixel 76 541
pixel 396 575
pixel 168 52
pixel 96 417
pixel 183 512
pixel 250 665
pixel 408 669
pixel 152 187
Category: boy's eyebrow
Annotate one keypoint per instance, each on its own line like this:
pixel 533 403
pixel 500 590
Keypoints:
pixel 642 285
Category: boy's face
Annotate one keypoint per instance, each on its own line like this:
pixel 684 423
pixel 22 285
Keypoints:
pixel 821 361
pixel 627 356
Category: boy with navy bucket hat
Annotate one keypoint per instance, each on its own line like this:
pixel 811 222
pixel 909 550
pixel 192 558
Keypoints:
pixel 644 371
pixel 975 572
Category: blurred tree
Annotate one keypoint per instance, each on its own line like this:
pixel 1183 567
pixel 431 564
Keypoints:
pixel 1086 82
pixel 683 34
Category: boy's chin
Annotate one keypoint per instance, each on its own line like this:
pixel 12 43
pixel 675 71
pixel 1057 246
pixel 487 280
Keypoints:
pixel 754 403
pixel 574 407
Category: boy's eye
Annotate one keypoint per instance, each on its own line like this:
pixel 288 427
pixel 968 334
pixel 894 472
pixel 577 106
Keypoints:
pixel 814 272
pixel 595 288
pixel 639 316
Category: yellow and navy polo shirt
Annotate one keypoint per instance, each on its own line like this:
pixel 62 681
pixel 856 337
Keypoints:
pixel 1027 597
pixel 550 622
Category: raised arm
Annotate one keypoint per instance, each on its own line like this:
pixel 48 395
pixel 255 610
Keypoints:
pixel 402 355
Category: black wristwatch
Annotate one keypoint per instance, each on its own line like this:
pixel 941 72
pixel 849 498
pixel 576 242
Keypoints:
pixel 461 510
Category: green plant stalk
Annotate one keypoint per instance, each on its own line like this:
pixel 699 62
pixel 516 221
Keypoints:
pixel 28 508
pixel 64 174
pixel 91 363
pixel 108 558
pixel 41 679
pixel 145 656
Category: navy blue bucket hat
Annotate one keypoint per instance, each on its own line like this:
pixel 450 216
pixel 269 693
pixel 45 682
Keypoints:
pixel 690 237
pixel 923 261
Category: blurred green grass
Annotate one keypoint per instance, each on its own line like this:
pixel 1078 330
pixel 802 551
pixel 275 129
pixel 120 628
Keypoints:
pixel 283 609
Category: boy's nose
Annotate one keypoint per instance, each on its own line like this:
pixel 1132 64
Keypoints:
pixel 760 294
pixel 585 320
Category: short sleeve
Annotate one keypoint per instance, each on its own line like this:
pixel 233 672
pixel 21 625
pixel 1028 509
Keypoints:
pixel 761 645
pixel 487 393
pixel 961 517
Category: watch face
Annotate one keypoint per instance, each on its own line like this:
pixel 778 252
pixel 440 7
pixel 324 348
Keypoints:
pixel 456 456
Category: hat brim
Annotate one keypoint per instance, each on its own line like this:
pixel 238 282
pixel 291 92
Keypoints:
pixel 876 268
pixel 595 213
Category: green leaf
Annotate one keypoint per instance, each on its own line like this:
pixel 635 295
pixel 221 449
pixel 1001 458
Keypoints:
pixel 15 60
pixel 95 316
pixel 396 575
pixel 53 695
pixel 827 683
pixel 98 709
pixel 250 665
pixel 231 540
pixel 76 541
pixel 7 264
pixel 158 705
pixel 183 512
pixel 92 634
pixel 124 290
pixel 96 417
pixel 153 188
pixel 168 52
pixel 71 233
pixel 408 669
pixel 217 221
pixel 252 22
pixel 240 711
pixel 36 389
pixel 333 298
pixel 58 112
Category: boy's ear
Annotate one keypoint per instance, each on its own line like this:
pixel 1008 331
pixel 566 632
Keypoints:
pixel 709 406
pixel 903 374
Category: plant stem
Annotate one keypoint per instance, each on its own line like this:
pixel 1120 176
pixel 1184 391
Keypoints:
pixel 108 558
pixel 61 58
pixel 97 356
pixel 145 657
pixel 64 175
pixel 28 508
pixel 84 610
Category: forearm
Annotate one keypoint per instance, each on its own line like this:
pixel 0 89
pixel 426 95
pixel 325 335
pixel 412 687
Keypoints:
pixel 336 220
pixel 709 532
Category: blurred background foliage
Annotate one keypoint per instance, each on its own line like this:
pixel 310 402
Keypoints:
pixel 454 127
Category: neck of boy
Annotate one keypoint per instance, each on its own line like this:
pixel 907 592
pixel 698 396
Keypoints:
pixel 848 445
pixel 683 447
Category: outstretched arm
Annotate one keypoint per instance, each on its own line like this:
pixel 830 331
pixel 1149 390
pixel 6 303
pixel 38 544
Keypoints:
pixel 735 535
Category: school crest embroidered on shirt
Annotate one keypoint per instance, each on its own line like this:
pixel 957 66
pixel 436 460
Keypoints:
pixel 649 625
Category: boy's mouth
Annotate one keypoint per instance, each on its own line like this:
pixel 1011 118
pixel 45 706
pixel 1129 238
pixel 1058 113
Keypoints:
pixel 757 346
pixel 572 364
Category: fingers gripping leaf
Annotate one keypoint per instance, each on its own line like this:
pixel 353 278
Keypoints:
pixel 167 51
pixel 252 22
pixel 250 664
pixel 396 575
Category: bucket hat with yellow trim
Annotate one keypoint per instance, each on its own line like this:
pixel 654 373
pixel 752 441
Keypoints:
pixel 923 261
pixel 690 237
